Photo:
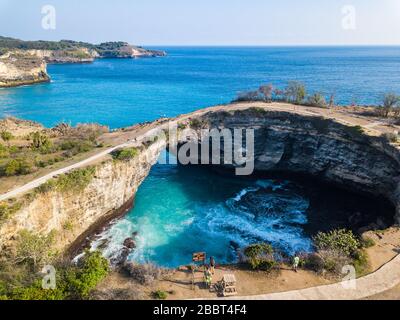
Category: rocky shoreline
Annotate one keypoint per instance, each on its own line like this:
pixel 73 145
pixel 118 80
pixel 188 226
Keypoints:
pixel 25 62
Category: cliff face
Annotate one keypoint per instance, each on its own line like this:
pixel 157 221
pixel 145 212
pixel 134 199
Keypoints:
pixel 24 62
pixel 19 68
pixel 70 214
pixel 317 147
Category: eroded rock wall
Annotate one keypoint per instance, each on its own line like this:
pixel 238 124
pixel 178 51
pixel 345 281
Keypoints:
pixel 70 214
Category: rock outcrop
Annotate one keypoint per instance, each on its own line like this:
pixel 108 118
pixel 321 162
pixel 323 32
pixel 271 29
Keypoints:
pixel 24 62
pixel 312 146
pixel 21 68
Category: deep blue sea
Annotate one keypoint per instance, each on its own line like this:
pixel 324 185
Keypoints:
pixel 122 92
pixel 181 210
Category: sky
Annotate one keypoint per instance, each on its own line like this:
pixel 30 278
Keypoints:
pixel 207 22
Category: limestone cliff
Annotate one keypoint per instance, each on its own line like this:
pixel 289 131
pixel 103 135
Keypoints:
pixel 70 214
pixel 20 68
pixel 326 149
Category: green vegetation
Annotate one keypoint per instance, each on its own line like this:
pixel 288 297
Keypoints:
pixel 260 256
pixel 160 295
pixel 84 279
pixel 19 281
pixel 391 103
pixel 295 92
pixel 43 148
pixel 18 166
pixel 390 137
pixel 317 100
pixel 336 249
pixel 367 242
pixel 33 249
pixel 7 210
pixel 355 130
pixel 74 181
pixel 343 241
pixel 125 154
pixel 196 124
pixel 6 136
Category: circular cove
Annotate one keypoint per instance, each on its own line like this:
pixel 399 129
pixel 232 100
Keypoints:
pixel 180 210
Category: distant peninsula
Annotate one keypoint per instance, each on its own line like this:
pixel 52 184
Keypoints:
pixel 25 62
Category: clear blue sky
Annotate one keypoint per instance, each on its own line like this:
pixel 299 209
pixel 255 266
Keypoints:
pixel 206 22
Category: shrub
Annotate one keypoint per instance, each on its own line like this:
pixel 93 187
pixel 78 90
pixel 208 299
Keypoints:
pixel 367 242
pixel 34 249
pixel 317 100
pixel 334 261
pixel 76 146
pixel 342 241
pixel 3 152
pixel 93 268
pixel 390 137
pixel 249 96
pixel 125 154
pixel 295 92
pixel 361 263
pixel 355 130
pixel 47 187
pixel 17 167
pixel 196 124
pixel 260 256
pixel 266 92
pixel 314 262
pixel 145 274
pixel 160 295
pixel 390 101
pixel 35 292
pixel 75 181
pixel 6 136
pixel 7 210
pixel 41 142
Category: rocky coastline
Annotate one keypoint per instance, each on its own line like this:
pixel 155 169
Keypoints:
pixel 25 62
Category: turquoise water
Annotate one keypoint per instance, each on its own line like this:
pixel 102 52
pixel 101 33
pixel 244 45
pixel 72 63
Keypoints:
pixel 180 210
pixel 122 92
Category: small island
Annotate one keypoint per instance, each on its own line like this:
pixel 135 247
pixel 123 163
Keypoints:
pixel 25 62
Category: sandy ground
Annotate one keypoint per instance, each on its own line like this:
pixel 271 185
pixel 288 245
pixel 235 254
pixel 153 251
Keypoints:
pixel 179 282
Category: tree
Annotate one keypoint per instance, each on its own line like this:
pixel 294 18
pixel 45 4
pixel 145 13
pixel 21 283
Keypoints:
pixel 317 100
pixel 34 248
pixel 266 91
pixel 343 241
pixel 260 256
pixel 6 136
pixel 295 92
pixel 40 141
pixel 279 94
pixel 390 101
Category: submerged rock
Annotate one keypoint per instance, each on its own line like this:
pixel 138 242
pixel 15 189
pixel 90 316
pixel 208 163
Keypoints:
pixel 130 243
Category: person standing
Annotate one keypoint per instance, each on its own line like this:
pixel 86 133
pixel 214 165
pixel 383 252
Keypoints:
pixel 296 263
pixel 212 265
